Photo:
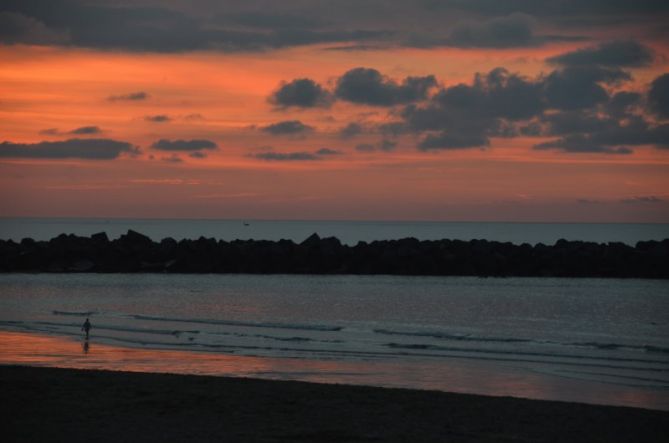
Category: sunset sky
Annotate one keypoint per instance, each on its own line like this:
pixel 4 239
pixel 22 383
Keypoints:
pixel 462 110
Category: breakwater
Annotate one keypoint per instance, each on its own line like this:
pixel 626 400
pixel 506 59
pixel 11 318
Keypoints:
pixel 135 252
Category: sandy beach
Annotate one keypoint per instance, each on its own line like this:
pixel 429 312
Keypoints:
pixel 53 404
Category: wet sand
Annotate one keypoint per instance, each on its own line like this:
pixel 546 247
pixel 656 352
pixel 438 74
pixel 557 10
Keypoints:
pixel 55 404
pixel 455 375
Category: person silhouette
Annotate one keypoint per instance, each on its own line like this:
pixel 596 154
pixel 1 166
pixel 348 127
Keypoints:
pixel 86 327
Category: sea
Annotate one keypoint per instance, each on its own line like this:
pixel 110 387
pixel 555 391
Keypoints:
pixel 600 341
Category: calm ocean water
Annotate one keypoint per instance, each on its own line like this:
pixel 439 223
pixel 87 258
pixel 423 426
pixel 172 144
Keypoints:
pixel 590 340
pixel 349 232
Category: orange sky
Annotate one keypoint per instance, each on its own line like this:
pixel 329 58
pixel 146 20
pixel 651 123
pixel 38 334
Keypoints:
pixel 223 97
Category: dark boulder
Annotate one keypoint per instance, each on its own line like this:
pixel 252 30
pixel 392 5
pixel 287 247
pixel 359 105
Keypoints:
pixel 100 237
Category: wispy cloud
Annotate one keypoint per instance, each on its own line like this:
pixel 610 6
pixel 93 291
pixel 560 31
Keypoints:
pixel 83 130
pixel 160 118
pixel 132 96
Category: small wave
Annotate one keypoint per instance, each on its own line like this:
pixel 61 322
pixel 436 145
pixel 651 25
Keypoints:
pixel 174 332
pixel 302 339
pixel 658 349
pixel 606 346
pixel 460 337
pixel 664 383
pixel 97 327
pixel 552 356
pixel 75 313
pixel 273 337
pixel 270 325
pixel 258 350
pixel 616 346
pixel 473 338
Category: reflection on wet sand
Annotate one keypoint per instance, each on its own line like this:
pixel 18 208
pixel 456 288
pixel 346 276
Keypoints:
pixel 454 376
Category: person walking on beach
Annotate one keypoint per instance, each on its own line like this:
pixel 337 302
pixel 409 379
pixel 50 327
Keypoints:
pixel 86 327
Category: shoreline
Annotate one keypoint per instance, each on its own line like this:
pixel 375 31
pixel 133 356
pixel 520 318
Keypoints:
pixel 58 404
pixel 460 376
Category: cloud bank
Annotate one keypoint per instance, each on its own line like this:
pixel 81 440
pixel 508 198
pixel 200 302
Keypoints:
pixel 184 145
pixel 288 127
pixel 261 25
pixel 302 93
pixel 85 149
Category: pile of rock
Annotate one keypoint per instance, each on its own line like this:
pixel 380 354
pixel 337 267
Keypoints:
pixel 134 252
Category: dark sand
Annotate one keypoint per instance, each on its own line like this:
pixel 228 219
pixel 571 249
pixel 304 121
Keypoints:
pixel 51 404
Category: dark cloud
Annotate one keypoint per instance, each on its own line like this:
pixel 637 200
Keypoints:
pixel 466 115
pixel 603 130
pixel 358 85
pixel 254 41
pixel 319 154
pixel 19 28
pixel 159 29
pixel 86 130
pixel 579 121
pixel 197 154
pixel 288 127
pixel 572 103
pixel 658 96
pixel 498 94
pixel 580 87
pixel 510 31
pixel 581 144
pixel 383 145
pixel 551 8
pixel 448 140
pixel 183 145
pixel 393 129
pixel 157 118
pixel 589 131
pixel 272 20
pixel 623 102
pixel 286 156
pixel 616 54
pixel 351 130
pixel 133 96
pixel 359 47
pixel 115 27
pixel 303 93
pixel 634 131
pixel 369 87
pixel 256 25
pixel 502 128
pixel 328 151
pixel 531 129
pixel 89 149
